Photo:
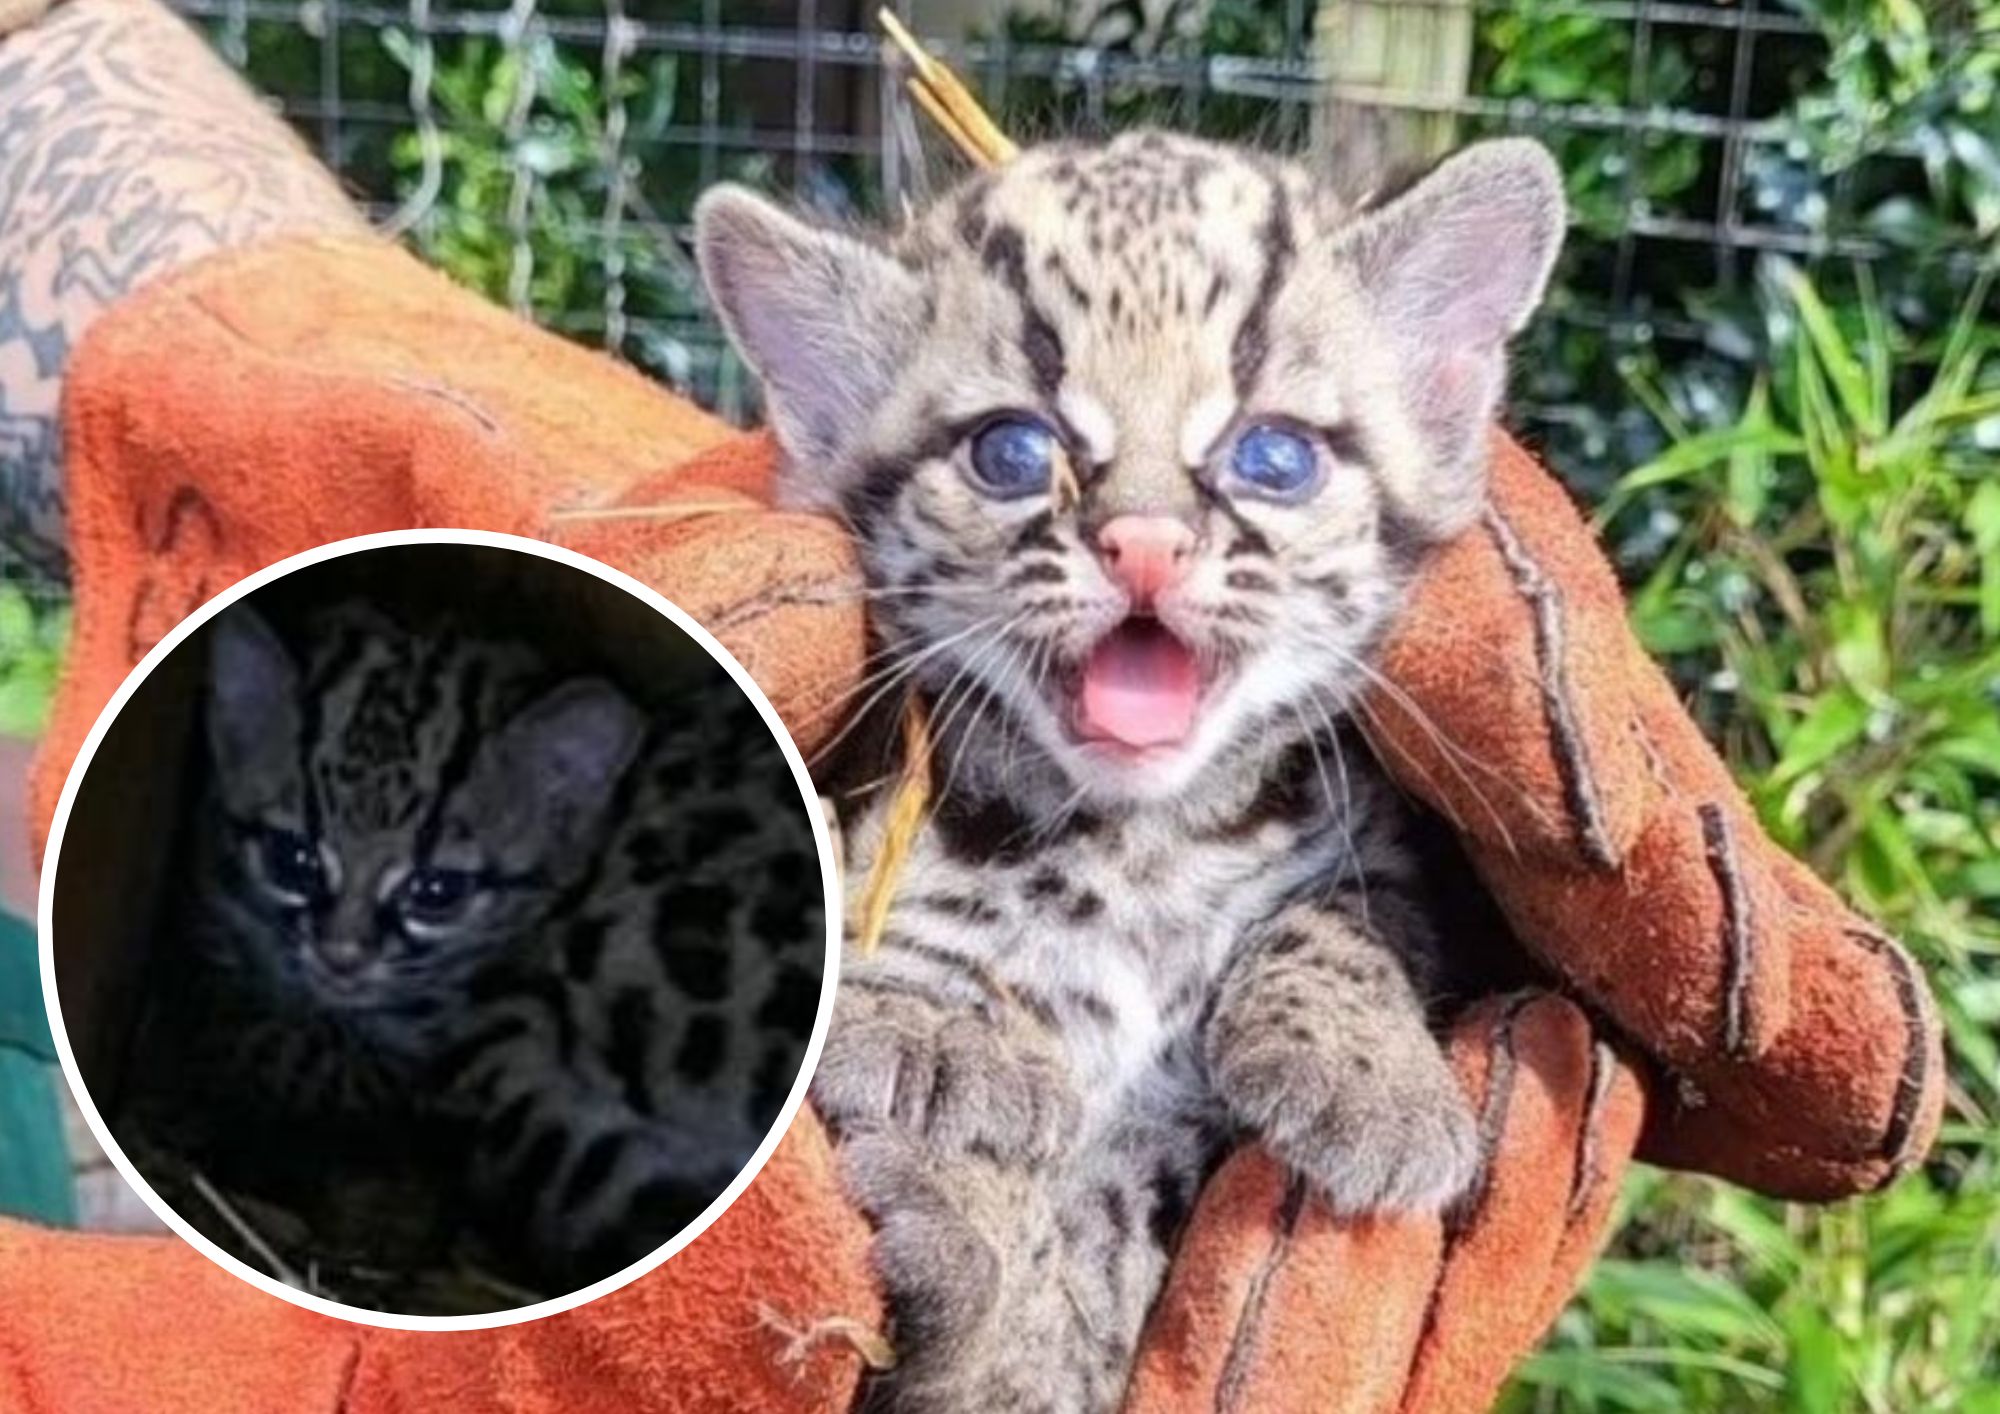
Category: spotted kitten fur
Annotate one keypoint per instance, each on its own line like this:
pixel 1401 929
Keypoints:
pixel 1142 443
pixel 441 891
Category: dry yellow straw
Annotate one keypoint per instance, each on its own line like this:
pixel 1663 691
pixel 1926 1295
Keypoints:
pixel 949 103
pixel 957 113
pixel 906 815
pixel 664 510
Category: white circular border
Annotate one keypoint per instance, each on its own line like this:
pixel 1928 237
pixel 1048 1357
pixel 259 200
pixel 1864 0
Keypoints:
pixel 562 555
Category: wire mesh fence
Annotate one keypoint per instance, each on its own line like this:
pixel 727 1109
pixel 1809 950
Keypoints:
pixel 549 152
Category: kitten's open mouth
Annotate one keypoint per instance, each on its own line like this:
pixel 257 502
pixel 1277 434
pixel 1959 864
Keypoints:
pixel 1139 688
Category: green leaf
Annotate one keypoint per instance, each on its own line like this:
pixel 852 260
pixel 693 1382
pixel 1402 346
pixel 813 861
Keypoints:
pixel 1581 1375
pixel 1830 450
pixel 1697 454
pixel 1973 1040
pixel 1671 630
pixel 17 623
pixel 1749 1223
pixel 1682 1301
pixel 1747 479
pixel 1834 723
pixel 1813 1377
pixel 1860 645
pixel 1846 372
pixel 1982 522
pixel 24 704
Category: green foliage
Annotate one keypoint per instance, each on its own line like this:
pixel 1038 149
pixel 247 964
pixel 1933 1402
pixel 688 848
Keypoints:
pixel 1552 52
pixel 1828 600
pixel 522 173
pixel 1881 127
pixel 1158 59
pixel 33 635
pixel 1906 75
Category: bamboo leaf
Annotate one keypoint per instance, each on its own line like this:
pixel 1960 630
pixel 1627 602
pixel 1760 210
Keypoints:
pixel 1982 523
pixel 1834 723
pixel 1860 645
pixel 1846 372
pixel 1697 454
pixel 1581 1375
pixel 1683 1301
pixel 1813 1378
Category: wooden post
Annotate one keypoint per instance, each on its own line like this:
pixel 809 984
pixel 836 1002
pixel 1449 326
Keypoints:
pixel 1386 62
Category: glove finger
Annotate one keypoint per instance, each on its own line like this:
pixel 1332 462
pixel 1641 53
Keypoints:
pixel 1559 1115
pixel 1861 1059
pixel 1622 852
pixel 1275 1306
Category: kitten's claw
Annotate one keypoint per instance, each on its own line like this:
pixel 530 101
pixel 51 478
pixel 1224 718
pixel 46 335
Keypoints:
pixel 966 1081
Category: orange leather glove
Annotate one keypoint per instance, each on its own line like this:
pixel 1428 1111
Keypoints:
pixel 276 398
pixel 1274 1305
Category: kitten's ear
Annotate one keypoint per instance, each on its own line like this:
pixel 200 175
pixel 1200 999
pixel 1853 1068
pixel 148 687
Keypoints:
pixel 554 766
pixel 823 318
pixel 1453 268
pixel 253 697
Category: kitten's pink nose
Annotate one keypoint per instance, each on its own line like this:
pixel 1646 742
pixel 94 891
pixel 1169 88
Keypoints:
pixel 1148 555
pixel 344 957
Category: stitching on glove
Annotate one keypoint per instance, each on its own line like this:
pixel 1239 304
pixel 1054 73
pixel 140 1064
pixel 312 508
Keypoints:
pixel 1493 1113
pixel 809 593
pixel 1588 1174
pixel 1230 1389
pixel 1545 602
pixel 343 1392
pixel 1739 932
pixel 142 628
pixel 1656 765
pixel 1914 1078
pixel 448 395
pixel 1492 1121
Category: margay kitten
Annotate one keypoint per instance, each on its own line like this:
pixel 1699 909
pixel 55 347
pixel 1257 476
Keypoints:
pixel 1141 443
pixel 443 891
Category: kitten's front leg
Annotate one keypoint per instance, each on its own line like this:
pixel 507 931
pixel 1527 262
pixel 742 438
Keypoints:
pixel 948 1101
pixel 964 1073
pixel 1318 1044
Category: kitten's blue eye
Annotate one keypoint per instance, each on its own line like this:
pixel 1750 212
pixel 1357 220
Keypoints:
pixel 438 893
pixel 290 864
pixel 1275 462
pixel 1014 456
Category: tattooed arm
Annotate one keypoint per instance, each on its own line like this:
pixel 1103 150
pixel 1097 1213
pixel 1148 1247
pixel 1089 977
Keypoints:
pixel 127 149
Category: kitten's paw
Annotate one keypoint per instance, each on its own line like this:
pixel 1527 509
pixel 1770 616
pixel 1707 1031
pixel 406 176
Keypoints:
pixel 940 1272
pixel 1388 1133
pixel 966 1082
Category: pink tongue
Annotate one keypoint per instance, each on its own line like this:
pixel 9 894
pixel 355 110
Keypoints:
pixel 1139 686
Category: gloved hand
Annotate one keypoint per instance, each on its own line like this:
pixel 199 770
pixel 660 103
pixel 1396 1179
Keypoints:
pixel 1776 1040
pixel 1275 1305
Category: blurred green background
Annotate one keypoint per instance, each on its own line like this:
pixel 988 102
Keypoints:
pixel 1770 368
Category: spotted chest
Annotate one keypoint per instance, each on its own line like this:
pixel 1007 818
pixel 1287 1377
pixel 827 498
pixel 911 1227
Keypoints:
pixel 1109 940
pixel 1110 931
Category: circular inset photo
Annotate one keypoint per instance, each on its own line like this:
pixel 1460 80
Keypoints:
pixel 438 929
